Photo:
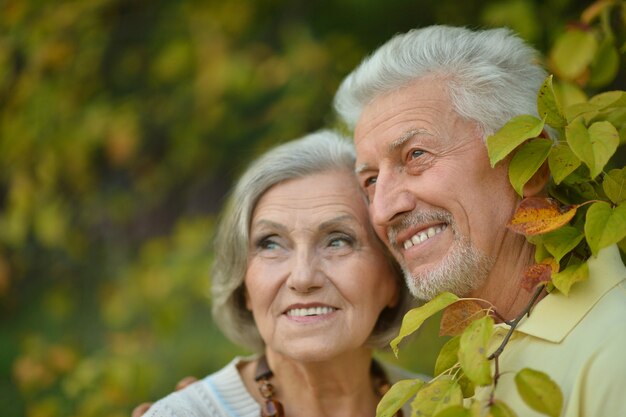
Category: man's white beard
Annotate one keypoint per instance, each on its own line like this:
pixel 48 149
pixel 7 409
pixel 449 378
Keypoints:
pixel 463 269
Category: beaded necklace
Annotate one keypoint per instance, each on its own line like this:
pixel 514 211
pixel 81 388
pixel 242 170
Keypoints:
pixel 274 408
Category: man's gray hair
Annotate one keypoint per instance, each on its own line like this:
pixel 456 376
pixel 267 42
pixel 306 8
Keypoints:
pixel 491 75
pixel 315 153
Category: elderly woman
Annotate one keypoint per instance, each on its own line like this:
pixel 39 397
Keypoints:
pixel 300 277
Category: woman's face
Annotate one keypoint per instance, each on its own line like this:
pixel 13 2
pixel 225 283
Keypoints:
pixel 317 278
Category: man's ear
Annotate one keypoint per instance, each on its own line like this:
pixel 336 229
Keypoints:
pixel 537 183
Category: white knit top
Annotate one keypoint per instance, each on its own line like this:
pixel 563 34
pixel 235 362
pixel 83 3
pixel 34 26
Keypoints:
pixel 223 394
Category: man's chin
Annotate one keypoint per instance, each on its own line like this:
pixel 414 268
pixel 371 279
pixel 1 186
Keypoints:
pixel 459 273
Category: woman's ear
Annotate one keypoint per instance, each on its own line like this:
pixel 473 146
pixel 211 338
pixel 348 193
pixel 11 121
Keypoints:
pixel 395 298
pixel 247 298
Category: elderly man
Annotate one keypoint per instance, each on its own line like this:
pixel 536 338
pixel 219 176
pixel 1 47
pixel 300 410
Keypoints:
pixel 421 107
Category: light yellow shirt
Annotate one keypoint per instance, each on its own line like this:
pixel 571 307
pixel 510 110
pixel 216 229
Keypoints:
pixel 578 340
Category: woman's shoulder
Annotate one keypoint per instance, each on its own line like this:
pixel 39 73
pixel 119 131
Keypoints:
pixel 219 394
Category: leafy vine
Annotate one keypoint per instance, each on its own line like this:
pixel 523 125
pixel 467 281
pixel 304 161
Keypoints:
pixel 584 213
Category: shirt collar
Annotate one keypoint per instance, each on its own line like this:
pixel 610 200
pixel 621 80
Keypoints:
pixel 557 314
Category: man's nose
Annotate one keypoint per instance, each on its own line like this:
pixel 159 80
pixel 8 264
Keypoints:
pixel 305 275
pixel 391 198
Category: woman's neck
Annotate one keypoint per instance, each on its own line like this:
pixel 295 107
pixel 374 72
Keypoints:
pixel 339 387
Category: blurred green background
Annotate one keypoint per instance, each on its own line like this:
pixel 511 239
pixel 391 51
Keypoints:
pixel 123 123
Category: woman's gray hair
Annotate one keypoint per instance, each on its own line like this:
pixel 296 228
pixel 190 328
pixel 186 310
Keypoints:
pixel 315 153
pixel 491 75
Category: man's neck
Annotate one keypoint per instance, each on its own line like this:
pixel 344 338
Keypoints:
pixel 504 284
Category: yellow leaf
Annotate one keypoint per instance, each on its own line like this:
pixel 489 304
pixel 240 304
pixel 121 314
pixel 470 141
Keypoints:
pixel 536 215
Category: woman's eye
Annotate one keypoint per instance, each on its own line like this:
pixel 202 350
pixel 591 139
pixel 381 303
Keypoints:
pixel 340 241
pixel 415 153
pixel 267 243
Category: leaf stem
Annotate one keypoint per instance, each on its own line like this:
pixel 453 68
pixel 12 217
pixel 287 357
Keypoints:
pixel 496 377
pixel 514 323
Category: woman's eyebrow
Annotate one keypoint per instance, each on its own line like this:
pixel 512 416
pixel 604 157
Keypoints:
pixel 339 220
pixel 267 224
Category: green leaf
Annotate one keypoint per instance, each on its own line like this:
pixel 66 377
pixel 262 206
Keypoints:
pixel 527 160
pixel 566 278
pixel 500 409
pixel 397 396
pixel 609 100
pixel 448 356
pixel 562 162
pixel 548 105
pixel 617 117
pixel 560 241
pixel 473 351
pixel 594 146
pixel 513 133
pixel 541 252
pixel 584 110
pixel 414 318
pixel 612 101
pixel 572 53
pixel 436 396
pixel 568 94
pixel 614 185
pixel 605 64
pixel 454 411
pixel 539 392
pixel 622 245
pixel 604 225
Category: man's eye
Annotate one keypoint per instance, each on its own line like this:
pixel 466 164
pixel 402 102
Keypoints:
pixel 415 153
pixel 370 181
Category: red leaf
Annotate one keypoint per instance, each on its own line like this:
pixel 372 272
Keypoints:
pixel 539 274
pixel 537 215
pixel 458 316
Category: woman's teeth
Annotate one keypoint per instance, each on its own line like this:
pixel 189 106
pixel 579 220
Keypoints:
pixel 311 311
pixel 423 235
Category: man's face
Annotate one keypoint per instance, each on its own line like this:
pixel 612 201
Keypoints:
pixel 434 199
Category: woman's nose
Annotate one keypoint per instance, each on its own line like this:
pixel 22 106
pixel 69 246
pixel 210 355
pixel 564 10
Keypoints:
pixel 305 275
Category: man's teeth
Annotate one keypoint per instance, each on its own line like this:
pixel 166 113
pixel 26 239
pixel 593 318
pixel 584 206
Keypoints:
pixel 312 311
pixel 423 235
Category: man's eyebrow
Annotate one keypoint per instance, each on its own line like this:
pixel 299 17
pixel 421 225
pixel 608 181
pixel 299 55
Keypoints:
pixel 405 137
pixel 361 168
pixel 408 135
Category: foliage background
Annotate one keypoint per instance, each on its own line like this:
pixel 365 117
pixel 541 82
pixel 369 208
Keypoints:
pixel 122 125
